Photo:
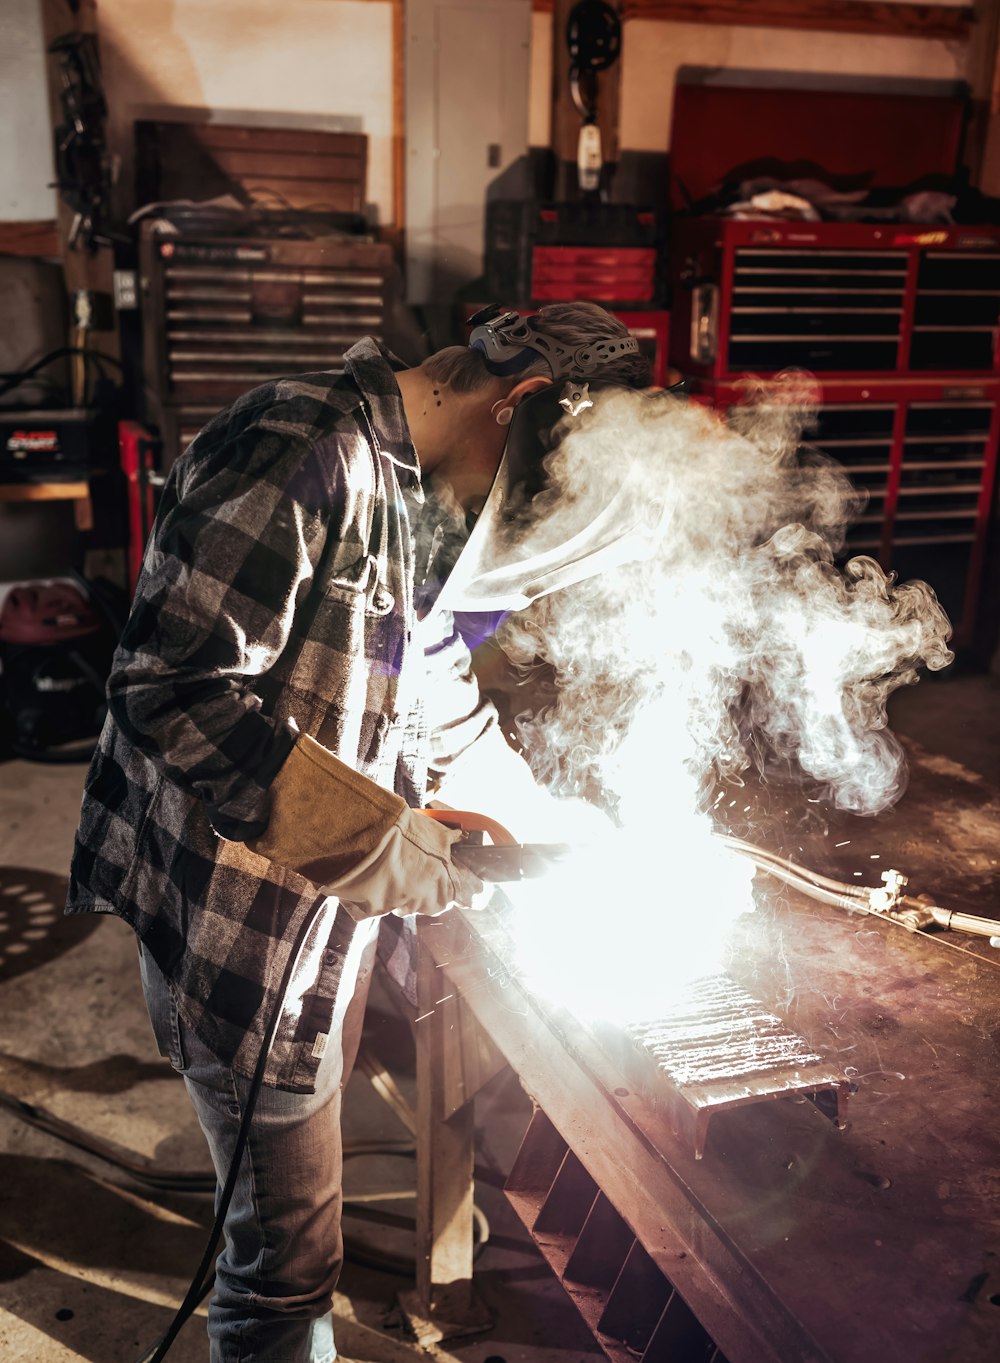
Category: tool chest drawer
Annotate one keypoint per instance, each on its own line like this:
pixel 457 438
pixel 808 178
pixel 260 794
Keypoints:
pixel 923 455
pixel 836 299
pixel 625 274
pixel 222 315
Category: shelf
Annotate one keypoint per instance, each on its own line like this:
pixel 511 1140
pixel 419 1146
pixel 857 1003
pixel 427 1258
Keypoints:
pixel 78 493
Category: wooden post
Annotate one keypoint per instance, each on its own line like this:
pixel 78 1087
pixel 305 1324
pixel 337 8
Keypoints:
pixel 82 269
pixel 444 1305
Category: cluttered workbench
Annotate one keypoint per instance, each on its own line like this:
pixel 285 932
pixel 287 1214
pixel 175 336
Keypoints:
pixel 862 1225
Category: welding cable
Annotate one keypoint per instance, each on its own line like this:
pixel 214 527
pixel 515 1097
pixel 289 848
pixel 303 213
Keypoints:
pixel 14 378
pixel 770 860
pixel 821 888
pixel 201 1282
pixel 196 1182
pixel 822 896
pixel 146 1174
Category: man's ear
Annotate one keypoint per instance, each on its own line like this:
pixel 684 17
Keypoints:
pixel 526 386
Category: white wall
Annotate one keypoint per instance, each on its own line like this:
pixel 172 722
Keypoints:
pixel 25 128
pixel 307 63
pixel 540 89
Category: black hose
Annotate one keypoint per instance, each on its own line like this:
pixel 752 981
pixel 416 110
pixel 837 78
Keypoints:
pixel 146 1174
pixel 201 1281
pixel 14 378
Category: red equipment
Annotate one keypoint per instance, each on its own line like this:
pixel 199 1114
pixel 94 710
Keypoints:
pixel 614 274
pixel 898 322
pixel 926 453
pixel 139 456
pixel 46 613
pixel 839 299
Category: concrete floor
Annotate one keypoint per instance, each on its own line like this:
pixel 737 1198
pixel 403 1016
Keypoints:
pixel 90 1265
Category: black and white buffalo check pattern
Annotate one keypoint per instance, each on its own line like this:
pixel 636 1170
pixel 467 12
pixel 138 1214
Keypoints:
pixel 276 597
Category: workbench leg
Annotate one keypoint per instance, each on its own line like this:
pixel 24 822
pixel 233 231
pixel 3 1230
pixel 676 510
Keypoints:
pixel 444 1305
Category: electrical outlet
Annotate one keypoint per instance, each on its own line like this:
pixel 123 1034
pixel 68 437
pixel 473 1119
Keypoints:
pixel 125 290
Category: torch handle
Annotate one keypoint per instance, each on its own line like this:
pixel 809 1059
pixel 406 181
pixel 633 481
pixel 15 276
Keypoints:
pixel 470 822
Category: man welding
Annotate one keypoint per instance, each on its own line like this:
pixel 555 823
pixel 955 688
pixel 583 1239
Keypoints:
pixel 287 694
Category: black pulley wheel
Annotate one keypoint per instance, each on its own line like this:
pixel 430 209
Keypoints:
pixel 593 35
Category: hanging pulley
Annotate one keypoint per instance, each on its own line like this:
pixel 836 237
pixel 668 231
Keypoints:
pixel 593 36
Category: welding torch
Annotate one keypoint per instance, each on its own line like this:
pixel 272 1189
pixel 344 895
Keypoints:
pixel 915 912
pixel 504 859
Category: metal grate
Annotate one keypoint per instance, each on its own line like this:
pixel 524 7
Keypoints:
pixel 714 1048
pixel 630 1305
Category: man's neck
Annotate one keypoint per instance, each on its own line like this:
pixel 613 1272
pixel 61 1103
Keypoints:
pixel 445 430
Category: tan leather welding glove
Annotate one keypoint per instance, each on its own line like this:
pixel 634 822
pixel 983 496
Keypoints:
pixel 358 841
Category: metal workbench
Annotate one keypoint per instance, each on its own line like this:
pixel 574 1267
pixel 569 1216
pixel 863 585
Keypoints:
pixel 790 1240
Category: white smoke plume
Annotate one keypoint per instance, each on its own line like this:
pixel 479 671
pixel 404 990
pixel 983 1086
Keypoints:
pixel 736 630
pixel 734 635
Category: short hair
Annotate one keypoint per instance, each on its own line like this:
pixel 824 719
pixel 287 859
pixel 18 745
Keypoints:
pixel 574 324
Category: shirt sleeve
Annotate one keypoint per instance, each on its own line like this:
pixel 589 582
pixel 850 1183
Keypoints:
pixel 473 767
pixel 457 713
pixel 238 538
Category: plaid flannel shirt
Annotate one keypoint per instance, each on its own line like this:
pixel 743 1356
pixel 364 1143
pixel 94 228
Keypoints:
pixel 276 597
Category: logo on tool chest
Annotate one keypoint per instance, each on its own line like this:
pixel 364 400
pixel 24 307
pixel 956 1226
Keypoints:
pixel 21 443
pixel 973 243
pixel 195 252
pixel 920 239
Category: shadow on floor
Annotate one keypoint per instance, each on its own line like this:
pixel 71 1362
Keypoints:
pixel 33 929
pixel 112 1074
pixel 50 1202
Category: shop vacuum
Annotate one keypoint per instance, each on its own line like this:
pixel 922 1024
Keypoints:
pixel 56 645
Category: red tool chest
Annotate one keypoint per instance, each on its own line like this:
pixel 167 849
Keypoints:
pixel 838 299
pixel 925 452
pixel 139 456
pixel 623 274
pixel 897 321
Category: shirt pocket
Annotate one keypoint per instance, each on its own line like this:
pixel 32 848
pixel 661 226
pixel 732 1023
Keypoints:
pixel 361 585
pixel 336 654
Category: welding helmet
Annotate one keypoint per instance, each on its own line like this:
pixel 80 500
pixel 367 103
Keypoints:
pixel 517 551
pixel 510 343
pixel 514 555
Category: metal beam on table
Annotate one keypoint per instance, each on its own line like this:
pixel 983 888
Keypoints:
pixel 896 1217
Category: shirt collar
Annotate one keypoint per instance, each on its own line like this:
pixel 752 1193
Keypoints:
pixel 373 369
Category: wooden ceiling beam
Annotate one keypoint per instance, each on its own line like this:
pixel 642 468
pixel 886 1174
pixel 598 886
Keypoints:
pixel 949 23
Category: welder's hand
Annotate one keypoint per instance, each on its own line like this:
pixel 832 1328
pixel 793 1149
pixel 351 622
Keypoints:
pixel 411 870
pixel 354 839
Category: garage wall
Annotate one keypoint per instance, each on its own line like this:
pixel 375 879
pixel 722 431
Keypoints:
pixel 652 52
pixel 26 172
pixel 540 88
pixel 323 64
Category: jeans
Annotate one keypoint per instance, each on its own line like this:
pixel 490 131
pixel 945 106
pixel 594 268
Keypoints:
pixel 283 1248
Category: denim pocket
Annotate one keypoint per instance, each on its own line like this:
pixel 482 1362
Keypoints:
pixel 162 1009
